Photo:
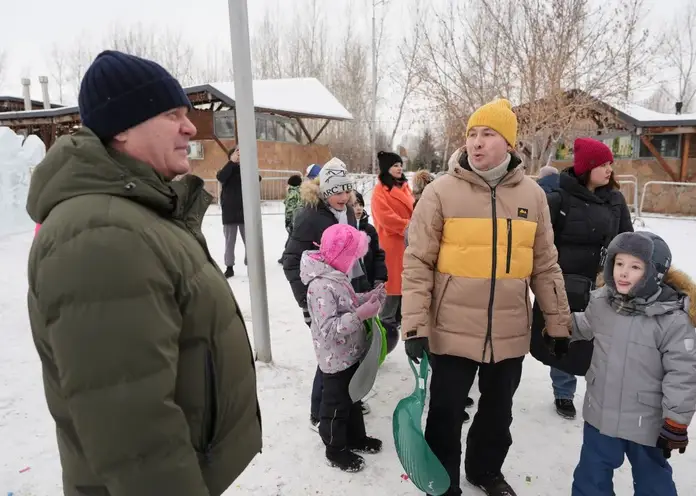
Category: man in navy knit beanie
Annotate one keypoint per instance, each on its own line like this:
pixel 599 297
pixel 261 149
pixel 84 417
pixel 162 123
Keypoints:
pixel 147 367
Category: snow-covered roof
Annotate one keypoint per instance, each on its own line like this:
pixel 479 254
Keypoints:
pixel 643 117
pixel 300 96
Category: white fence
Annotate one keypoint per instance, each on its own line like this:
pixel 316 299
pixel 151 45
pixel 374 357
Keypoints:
pixel 629 179
pixel 645 191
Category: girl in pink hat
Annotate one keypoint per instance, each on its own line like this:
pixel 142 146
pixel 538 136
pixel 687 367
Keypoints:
pixel 337 316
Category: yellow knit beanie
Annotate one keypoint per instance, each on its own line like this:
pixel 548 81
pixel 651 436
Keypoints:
pixel 498 116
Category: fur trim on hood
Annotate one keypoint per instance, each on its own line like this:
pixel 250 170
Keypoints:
pixel 309 192
pixel 684 284
pixel 421 179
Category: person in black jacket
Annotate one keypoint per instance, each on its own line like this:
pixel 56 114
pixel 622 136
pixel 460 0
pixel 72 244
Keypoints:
pixel 587 212
pixel 326 202
pixel 375 268
pixel 232 208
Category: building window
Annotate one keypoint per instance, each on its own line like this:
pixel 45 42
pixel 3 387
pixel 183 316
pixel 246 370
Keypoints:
pixel 276 128
pixel 621 146
pixel 666 144
pixel 223 124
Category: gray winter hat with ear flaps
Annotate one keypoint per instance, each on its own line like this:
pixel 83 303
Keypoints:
pixel 648 247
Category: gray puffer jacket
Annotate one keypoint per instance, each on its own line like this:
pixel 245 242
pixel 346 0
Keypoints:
pixel 644 363
pixel 339 336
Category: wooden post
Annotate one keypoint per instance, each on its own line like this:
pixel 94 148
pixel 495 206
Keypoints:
pixel 685 157
pixel 648 144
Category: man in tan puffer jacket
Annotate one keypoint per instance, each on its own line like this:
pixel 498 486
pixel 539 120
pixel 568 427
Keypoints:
pixel 480 238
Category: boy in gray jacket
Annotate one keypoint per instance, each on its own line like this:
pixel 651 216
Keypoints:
pixel 641 385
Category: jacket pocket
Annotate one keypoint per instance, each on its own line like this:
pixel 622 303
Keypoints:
pixel 210 404
pixel 650 399
pixel 527 303
pixel 440 296
pixel 508 255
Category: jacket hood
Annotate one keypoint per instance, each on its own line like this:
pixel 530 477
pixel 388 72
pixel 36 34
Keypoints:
pixel 312 267
pixel 309 192
pixel 568 182
pixel 458 166
pixel 421 179
pixel 81 165
pixel 686 287
pixel 677 292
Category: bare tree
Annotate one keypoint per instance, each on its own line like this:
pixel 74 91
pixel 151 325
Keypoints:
pixel 58 65
pixel 78 59
pixel 176 55
pixel 680 54
pixel 407 75
pixel 265 49
pixel 3 59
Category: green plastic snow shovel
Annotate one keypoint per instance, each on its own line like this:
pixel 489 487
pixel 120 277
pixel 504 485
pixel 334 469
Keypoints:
pixel 420 463
pixel 364 378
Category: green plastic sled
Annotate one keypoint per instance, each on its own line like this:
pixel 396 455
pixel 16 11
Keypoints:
pixel 420 463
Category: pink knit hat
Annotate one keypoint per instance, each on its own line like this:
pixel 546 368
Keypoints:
pixel 341 245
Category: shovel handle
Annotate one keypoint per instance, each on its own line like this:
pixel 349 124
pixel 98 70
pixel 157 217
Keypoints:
pixel 420 375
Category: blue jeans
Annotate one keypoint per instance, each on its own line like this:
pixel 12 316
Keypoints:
pixel 601 455
pixel 564 384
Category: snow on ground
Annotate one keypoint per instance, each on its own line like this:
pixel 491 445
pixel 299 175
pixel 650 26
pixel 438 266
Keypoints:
pixel 545 449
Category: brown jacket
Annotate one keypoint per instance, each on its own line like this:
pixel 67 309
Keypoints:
pixel 468 299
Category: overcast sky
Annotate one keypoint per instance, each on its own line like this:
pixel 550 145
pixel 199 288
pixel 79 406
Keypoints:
pixel 31 27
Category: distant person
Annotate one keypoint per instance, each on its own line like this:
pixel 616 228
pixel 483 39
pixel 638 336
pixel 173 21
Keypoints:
pixel 147 367
pixel 549 178
pixel 232 208
pixel 375 268
pixel 291 203
pixel 392 207
pixel 313 172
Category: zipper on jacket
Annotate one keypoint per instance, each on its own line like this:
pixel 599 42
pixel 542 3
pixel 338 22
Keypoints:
pixel 494 266
pixel 526 298
pixel 509 246
pixel 209 406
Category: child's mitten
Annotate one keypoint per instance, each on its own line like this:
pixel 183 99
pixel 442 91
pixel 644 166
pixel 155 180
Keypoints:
pixel 672 436
pixel 368 309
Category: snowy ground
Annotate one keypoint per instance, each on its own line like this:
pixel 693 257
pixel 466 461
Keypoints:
pixel 541 460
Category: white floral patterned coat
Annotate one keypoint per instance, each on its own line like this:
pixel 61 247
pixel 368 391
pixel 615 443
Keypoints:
pixel 338 334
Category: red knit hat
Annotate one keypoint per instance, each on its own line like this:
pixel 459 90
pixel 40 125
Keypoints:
pixel 588 154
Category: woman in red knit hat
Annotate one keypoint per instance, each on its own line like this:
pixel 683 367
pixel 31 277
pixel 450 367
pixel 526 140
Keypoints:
pixel 587 212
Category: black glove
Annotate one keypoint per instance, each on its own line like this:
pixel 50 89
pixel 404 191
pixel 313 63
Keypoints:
pixel 557 346
pixel 415 348
pixel 673 436
pixel 307 317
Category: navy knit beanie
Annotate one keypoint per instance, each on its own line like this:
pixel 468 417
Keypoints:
pixel 120 91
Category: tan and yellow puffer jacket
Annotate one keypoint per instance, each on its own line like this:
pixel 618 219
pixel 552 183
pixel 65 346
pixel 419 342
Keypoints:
pixel 470 299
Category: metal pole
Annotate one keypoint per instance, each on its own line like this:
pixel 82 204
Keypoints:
pixel 251 195
pixel 373 133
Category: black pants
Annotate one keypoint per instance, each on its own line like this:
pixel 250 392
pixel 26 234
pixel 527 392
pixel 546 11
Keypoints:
pixel 342 420
pixel 489 438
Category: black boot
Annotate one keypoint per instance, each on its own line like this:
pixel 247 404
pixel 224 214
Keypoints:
pixel 565 408
pixel 229 272
pixel 345 460
pixel 369 445
pixel 494 486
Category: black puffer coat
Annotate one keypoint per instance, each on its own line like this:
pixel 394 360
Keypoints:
pixel 375 268
pixel 230 178
pixel 310 223
pixel 590 222
pixel 584 224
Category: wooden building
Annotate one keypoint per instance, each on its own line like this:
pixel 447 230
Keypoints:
pixel 291 114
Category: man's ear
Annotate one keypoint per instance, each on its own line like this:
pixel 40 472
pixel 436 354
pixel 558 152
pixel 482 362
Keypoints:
pixel 121 137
